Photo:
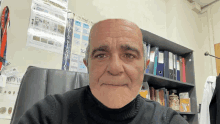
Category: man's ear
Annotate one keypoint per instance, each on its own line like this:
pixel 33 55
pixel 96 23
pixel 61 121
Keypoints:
pixel 84 61
pixel 147 62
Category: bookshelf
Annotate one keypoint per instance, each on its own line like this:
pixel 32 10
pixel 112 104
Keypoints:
pixel 159 82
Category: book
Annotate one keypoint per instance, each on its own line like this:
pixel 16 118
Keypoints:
pixel 157 96
pixel 161 97
pixel 152 91
pixel 184 95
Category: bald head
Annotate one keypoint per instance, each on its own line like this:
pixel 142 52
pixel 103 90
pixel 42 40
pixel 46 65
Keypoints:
pixel 115 27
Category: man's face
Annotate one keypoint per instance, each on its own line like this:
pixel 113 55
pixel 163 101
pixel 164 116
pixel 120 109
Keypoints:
pixel 116 62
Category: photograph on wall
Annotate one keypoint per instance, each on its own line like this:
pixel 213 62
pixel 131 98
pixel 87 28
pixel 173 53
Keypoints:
pixel 47 27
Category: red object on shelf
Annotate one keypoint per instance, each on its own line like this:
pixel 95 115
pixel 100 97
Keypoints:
pixel 184 70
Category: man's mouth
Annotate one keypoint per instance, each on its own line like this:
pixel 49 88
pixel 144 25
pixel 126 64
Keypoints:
pixel 115 85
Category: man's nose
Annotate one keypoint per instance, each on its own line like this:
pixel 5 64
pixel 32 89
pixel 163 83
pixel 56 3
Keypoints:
pixel 115 66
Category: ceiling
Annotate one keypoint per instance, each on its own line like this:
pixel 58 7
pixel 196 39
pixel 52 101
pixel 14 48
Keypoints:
pixel 204 2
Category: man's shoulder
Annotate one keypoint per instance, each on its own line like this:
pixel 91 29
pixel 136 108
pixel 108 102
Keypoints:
pixel 160 113
pixel 71 95
pixel 154 104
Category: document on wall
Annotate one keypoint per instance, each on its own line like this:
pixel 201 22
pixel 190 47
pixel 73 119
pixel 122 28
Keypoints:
pixel 81 30
pixel 8 96
pixel 47 25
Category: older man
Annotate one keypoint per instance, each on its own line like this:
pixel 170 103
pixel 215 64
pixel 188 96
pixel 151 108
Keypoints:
pixel 116 61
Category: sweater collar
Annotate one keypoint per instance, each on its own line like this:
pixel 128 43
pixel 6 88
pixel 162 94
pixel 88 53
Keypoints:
pixel 103 114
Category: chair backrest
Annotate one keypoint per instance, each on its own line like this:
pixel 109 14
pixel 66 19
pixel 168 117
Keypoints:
pixel 39 82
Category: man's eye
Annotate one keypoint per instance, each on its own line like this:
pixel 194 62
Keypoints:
pixel 100 56
pixel 130 56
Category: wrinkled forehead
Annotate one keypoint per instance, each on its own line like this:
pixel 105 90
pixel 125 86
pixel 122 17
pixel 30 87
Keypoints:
pixel 115 28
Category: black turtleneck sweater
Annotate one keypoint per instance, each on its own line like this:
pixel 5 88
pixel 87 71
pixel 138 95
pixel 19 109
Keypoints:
pixel 79 106
pixel 99 113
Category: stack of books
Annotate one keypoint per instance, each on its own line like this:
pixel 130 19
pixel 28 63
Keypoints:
pixel 160 95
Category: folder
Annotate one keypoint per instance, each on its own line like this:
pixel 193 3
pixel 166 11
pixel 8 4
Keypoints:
pixel 181 68
pixel 178 68
pixel 170 65
pixel 156 60
pixel 174 67
pixel 184 71
pixel 160 66
pixel 148 56
pixel 152 59
pixel 166 64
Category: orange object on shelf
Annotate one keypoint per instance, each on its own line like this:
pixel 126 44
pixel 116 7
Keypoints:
pixel 185 105
pixel 143 93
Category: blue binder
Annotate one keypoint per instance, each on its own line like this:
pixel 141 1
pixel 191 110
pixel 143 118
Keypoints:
pixel 160 65
pixel 178 68
pixel 148 56
pixel 166 64
pixel 156 60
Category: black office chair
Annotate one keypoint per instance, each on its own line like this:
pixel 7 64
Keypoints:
pixel 39 82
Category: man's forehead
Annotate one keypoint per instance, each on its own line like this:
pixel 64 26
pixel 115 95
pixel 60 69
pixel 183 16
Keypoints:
pixel 115 28
pixel 115 25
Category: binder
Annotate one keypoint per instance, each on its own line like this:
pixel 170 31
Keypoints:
pixel 181 68
pixel 175 67
pixel 178 68
pixel 156 60
pixel 166 64
pixel 148 57
pixel 152 59
pixel 160 66
pixel 184 71
pixel 170 65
